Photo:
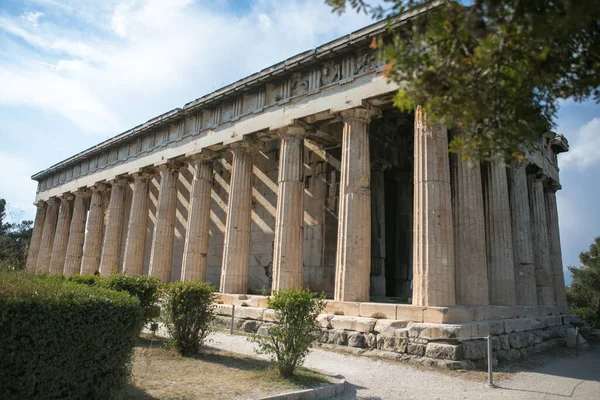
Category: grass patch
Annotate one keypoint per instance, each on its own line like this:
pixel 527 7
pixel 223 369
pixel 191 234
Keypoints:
pixel 161 373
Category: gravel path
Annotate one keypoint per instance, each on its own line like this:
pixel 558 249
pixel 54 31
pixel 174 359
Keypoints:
pixel 367 378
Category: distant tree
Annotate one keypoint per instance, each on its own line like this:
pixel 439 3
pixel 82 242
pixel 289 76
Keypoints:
pixel 496 68
pixel 584 292
pixel 14 241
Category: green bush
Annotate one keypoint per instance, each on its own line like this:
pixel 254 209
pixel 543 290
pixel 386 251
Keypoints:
pixel 189 311
pixel 62 340
pixel 144 287
pixel 289 342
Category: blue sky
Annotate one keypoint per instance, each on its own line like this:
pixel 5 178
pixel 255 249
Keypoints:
pixel 74 73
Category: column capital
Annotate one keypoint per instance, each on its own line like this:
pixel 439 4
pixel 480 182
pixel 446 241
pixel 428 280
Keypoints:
pixel 144 173
pixel 205 156
pixel 360 113
pixel 53 201
pixel 119 181
pixel 246 145
pixel 99 187
pixel 40 204
pixel 292 130
pixel 82 192
pixel 67 196
pixel 170 165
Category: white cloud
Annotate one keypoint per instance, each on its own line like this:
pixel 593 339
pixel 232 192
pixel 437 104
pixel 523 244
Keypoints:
pixel 584 148
pixel 32 17
pixel 264 22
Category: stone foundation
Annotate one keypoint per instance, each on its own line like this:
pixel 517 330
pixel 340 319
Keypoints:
pixel 448 337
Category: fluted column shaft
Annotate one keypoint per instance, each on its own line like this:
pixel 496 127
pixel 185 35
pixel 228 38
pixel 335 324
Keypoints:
pixel 61 238
pixel 196 241
pixel 498 234
pixel 133 258
pixel 378 251
pixel 525 287
pixel 555 248
pixel 76 234
pixel 433 241
pixel 43 262
pixel 541 248
pixel 161 255
pixel 236 253
pixel 36 236
pixel 92 247
pixel 111 248
pixel 469 234
pixel 353 258
pixel 289 221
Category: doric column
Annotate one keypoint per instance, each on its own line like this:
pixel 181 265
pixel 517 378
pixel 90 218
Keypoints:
pixel 196 240
pixel 92 247
pixel 525 288
pixel 289 222
pixel 43 261
pixel 433 241
pixel 378 252
pixel 161 255
pixel 76 234
pixel 469 234
pixel 36 236
pixel 236 252
pixel 61 237
pixel 555 248
pixel 353 258
pixel 541 248
pixel 111 248
pixel 133 258
pixel 498 234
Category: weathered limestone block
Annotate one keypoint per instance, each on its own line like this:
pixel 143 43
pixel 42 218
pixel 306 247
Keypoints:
pixel 496 313
pixel 508 355
pixel 409 313
pixel 76 234
pixel 475 349
pixel 571 320
pixel 111 249
pixel 161 255
pixel 416 349
pixel 444 351
pixel 263 330
pixel 469 234
pixel 353 257
pixel 378 310
pixel 446 331
pixel 389 326
pixel 249 313
pixel 36 236
pixel 521 324
pixel 448 315
pixel 270 315
pixel 543 268
pixel 358 324
pixel 433 279
pixel 337 337
pixel 133 258
pixel 236 252
pixel 349 309
pixel 521 233
pixel 392 343
pixel 504 342
pixel 324 320
pixel 92 245
pixel 501 268
pixel 223 309
pixel 197 234
pixel 555 247
pixel 47 240
pixel 289 221
pixel 61 237
pixel 573 337
pixel 251 326
pixel 357 339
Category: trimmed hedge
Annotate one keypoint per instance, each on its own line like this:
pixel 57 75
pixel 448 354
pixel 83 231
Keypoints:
pixel 60 339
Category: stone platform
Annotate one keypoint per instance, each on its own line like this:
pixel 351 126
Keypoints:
pixel 449 337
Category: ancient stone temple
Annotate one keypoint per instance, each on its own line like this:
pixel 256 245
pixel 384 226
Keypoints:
pixel 305 175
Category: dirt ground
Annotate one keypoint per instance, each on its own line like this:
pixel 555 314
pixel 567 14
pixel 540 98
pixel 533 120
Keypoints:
pixel 161 373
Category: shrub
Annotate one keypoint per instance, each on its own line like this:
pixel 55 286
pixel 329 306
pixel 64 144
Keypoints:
pixel 289 342
pixel 189 311
pixel 144 287
pixel 59 339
